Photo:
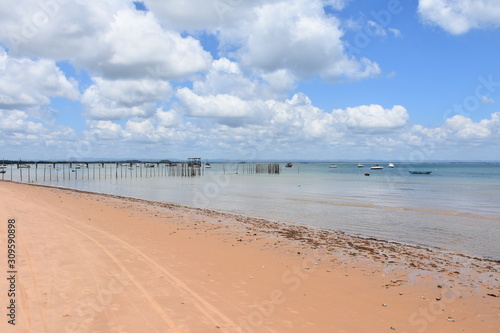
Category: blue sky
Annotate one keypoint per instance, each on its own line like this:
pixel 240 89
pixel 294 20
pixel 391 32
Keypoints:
pixel 267 79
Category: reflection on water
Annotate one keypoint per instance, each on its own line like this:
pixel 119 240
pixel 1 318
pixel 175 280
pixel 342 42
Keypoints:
pixel 455 207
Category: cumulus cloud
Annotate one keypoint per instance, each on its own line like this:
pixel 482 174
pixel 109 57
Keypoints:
pixel 55 29
pixel 15 121
pixel 118 99
pixel 104 130
pixel 464 128
pixel 372 118
pixel 25 82
pixel 109 39
pixel 460 16
pixel 304 40
pixel 458 130
pixel 226 77
pixel 137 46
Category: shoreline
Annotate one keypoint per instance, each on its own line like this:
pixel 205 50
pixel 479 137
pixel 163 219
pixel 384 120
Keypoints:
pixel 277 225
pixel 239 274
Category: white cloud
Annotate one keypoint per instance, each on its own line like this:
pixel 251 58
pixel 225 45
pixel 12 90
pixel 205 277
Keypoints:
pixel 104 130
pixel 304 40
pixel 226 77
pixel 372 118
pixel 25 82
pixel 137 46
pixel 15 121
pixel 456 131
pixel 464 128
pixel 337 4
pixel 118 99
pixel 190 15
pixel 460 16
pixel 170 118
pixel 395 32
pixel 376 29
pixel 108 38
pixel 55 29
pixel 224 108
pixel 486 99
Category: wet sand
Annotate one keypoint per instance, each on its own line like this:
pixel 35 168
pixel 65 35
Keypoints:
pixel 97 263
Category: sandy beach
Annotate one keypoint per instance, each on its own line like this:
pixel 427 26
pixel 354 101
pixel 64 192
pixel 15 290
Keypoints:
pixel 89 262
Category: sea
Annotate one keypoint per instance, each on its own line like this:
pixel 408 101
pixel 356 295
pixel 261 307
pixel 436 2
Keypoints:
pixel 456 207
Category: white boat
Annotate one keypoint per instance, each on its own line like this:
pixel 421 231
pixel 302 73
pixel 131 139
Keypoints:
pixel 360 165
pixel 377 167
pixel 24 166
pixel 391 165
pixel 207 165
pixel 149 165
pixel 333 166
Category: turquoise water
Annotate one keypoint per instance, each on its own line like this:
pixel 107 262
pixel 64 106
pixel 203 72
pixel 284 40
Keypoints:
pixel 456 207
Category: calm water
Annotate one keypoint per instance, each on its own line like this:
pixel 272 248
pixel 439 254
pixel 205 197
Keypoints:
pixel 456 207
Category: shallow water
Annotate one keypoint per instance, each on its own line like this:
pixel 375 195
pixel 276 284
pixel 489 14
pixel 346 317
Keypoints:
pixel 456 207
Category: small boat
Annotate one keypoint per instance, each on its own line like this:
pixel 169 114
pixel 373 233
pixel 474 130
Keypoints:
pixel 333 166
pixel 367 174
pixel 288 165
pixel 420 172
pixel 391 165
pixel 360 165
pixel 207 165
pixel 149 165
pixel 23 166
pixel 377 167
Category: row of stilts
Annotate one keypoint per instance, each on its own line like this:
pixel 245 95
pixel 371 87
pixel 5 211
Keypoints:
pixel 92 171
pixel 95 171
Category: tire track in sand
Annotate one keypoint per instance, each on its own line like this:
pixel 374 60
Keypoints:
pixel 90 263
pixel 205 305
pixel 168 320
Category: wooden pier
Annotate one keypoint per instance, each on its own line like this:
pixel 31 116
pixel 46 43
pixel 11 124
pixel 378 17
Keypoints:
pixel 74 171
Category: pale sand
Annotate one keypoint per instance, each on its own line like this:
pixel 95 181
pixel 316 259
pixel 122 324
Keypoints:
pixel 96 263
